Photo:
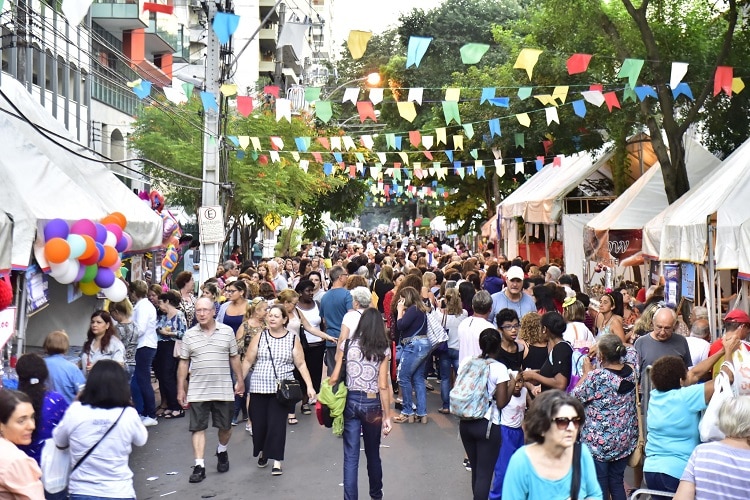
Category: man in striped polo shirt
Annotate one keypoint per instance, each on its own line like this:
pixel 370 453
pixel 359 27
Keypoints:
pixel 206 348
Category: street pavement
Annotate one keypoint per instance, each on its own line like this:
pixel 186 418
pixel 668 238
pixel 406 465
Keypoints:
pixel 420 461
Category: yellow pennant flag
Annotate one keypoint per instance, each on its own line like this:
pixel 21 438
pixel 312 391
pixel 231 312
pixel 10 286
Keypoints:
pixel 527 59
pixel 228 89
pixel 357 43
pixel 523 119
pixel 737 85
pixel 561 93
pixel 440 135
pixel 407 110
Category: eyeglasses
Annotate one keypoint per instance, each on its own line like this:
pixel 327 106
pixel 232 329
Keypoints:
pixel 514 326
pixel 564 422
pixel 663 328
pixel 231 290
pixel 204 311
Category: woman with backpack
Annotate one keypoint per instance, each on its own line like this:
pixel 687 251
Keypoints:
pixel 481 382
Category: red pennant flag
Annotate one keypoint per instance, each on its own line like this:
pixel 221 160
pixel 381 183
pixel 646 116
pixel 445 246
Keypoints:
pixel 611 99
pixel 578 63
pixel 158 7
pixel 428 154
pixel 556 161
pixel 271 89
pixel 415 138
pixel 342 166
pixel 547 146
pixel 352 171
pixel 317 157
pixel 244 105
pixel 324 142
pixel 366 110
pixel 596 87
pixel 723 80
pixel 387 190
pixel 274 143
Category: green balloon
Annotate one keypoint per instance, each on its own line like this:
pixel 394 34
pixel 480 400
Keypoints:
pixel 89 274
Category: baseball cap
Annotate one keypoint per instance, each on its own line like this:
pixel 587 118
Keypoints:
pixel 514 273
pixel 737 316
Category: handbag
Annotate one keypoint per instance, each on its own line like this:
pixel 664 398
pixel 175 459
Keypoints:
pixel 177 349
pixel 723 390
pixel 639 453
pixel 435 331
pixel 575 483
pixel 288 391
pixel 55 462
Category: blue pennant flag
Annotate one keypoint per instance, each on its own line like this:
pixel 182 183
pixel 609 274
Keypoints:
pixel 488 93
pixel 645 91
pixel 339 157
pixel 449 154
pixel 682 89
pixel 328 168
pixel 225 25
pixel 500 101
pixel 398 142
pixel 579 107
pixel 143 90
pixel 495 127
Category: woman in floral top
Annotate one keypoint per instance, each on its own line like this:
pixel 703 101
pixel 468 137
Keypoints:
pixel 170 327
pixel 611 426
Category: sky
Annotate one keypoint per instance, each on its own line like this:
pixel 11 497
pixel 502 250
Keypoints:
pixel 372 15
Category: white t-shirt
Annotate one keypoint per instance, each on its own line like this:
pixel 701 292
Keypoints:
pixel 578 335
pixel 513 413
pixel 144 318
pixel 698 349
pixel 498 375
pixel 105 472
pixel 468 337
pixel 313 317
pixel 351 320
pixel 452 322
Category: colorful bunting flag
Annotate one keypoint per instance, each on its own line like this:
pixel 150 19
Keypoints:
pixel 365 110
pixel 679 70
pixel 225 24
pixel 526 60
pixel 450 112
pixel 376 95
pixel 415 94
pixel 323 111
pixel 407 110
pixel 723 80
pixel 472 53
pixel 357 43
pixel 578 63
pixel 415 51
pixel 631 69
pixel 487 94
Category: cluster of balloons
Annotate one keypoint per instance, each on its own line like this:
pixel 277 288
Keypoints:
pixel 88 252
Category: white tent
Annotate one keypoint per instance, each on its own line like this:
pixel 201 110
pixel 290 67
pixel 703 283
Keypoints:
pixel 616 231
pixel 45 181
pixel 6 242
pixel 680 232
pixel 438 224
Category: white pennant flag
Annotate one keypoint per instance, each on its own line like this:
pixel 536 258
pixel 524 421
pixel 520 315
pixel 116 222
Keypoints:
pixel 551 115
pixel 499 167
pixel 274 156
pixel 519 167
pixel 415 94
pixel 679 70
pixel 256 143
pixel 351 94
pixel 427 142
pixel 75 10
pixel 304 164
pixel 376 95
pixel 348 143
pixel 594 97
pixel 336 143
pixel 381 157
pixel 367 142
pixel 284 110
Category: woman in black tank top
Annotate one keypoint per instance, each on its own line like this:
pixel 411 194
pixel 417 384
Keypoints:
pixel 536 341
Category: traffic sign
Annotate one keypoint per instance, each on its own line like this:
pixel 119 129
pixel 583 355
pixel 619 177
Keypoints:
pixel 211 224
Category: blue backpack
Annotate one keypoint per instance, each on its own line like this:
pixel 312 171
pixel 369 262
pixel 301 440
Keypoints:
pixel 469 398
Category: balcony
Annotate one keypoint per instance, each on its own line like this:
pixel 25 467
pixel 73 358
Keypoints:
pixel 106 89
pixel 160 37
pixel 117 15
pixel 266 67
pixel 182 54
pixel 264 7
pixel 267 38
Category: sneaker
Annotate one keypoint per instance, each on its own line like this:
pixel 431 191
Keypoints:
pixel 262 461
pixel 223 464
pixel 149 422
pixel 198 475
pixel 249 428
pixel 467 464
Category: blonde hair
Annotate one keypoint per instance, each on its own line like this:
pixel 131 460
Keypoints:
pixel 57 342
pixel 123 307
pixel 287 295
pixel 453 302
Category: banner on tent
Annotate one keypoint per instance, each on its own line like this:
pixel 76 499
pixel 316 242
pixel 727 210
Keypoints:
pixel 621 244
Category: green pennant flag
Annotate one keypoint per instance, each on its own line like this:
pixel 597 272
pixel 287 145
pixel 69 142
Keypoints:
pixel 312 94
pixel 474 153
pixel 390 141
pixel 469 130
pixel 472 53
pixel 524 93
pixel 630 69
pixel 520 141
pixel 323 111
pixel 450 111
pixel 629 94
pixel 187 87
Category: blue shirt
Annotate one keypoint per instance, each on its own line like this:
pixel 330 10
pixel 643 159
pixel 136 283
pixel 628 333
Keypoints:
pixel 53 409
pixel 501 301
pixel 334 304
pixel 672 422
pixel 64 377
pixel 522 482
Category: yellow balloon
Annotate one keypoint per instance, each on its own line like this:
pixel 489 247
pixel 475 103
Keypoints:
pixel 89 288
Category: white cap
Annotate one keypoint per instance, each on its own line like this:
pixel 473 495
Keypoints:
pixel 514 273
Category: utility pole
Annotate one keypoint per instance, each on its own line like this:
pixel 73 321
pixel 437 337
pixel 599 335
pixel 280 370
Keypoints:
pixel 211 251
pixel 279 69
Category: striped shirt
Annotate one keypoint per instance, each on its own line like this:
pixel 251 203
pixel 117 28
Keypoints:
pixel 210 377
pixel 719 471
pixel 263 379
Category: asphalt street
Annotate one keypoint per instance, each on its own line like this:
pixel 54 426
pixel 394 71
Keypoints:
pixel 420 461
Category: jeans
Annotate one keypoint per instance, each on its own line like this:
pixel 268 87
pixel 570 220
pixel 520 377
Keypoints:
pixel 366 414
pixel 611 477
pixel 481 452
pixel 411 375
pixel 330 359
pixel 511 438
pixel 143 358
pixel 135 392
pixel 448 360
pixel 661 482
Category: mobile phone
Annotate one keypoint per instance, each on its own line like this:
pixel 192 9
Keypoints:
pixel 450 284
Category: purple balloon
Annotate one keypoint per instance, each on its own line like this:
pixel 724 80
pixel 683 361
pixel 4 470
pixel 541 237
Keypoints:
pixel 56 228
pixel 101 233
pixel 81 272
pixel 100 249
pixel 104 277
pixel 84 226
pixel 129 241
pixel 122 243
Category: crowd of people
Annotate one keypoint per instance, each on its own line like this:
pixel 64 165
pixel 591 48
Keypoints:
pixel 563 372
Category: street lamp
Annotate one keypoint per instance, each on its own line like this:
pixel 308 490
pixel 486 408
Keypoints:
pixel 373 80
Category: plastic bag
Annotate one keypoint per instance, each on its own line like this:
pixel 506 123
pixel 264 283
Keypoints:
pixel 55 467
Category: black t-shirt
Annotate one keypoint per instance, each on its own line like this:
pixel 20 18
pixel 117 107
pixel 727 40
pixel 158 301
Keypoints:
pixel 559 361
pixel 511 360
pixel 381 288
pixel 536 357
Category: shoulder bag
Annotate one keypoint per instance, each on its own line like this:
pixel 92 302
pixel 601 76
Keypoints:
pixel 636 458
pixel 435 331
pixel 575 483
pixel 55 462
pixel 288 391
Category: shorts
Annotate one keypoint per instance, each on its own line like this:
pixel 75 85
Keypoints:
pixel 221 415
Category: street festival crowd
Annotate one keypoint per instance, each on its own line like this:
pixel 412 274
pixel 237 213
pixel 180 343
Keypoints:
pixel 556 392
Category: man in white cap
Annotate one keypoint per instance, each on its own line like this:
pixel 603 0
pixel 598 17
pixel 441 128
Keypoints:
pixel 512 296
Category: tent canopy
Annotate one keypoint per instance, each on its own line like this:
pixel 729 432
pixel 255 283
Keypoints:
pixel 6 242
pixel 680 232
pixel 616 231
pixel 45 181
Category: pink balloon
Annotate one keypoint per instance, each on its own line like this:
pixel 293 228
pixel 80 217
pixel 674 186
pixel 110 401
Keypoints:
pixel 129 239
pixel 84 226
pixel 114 229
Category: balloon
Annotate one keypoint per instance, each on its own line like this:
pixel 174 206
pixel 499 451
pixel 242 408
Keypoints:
pixel 169 227
pixel 117 291
pixel 104 277
pixel 122 243
pixel 56 250
pixel 90 247
pixel 101 233
pixel 81 271
pixel 89 274
pixel 66 272
pixel 109 259
pixel 114 229
pixel 56 228
pixel 89 288
pixel 109 220
pixel 84 227
pixel 100 251
pixel 111 239
pixel 77 245
pixel 117 265
pixel 129 241
pixel 119 219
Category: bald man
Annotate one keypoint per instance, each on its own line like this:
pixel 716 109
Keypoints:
pixel 662 341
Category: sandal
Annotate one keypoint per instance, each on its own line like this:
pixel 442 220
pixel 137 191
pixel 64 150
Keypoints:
pixel 444 411
pixel 174 414
pixel 160 412
pixel 401 419
pixel 305 409
pixel 292 421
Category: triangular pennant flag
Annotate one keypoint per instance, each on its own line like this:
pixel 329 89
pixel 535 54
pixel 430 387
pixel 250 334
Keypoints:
pixel 357 43
pixel 449 154
pixel 526 60
pixel 557 161
pixel 524 119
pixel 225 25
pixel 418 169
pixel 188 88
pixel 737 85
pixel 295 155
pixel 365 110
pixel 352 171
pixel 458 142
pixel 404 157
pixel 578 63
pixel 497 153
pixel 682 89
pixel 487 93
pixel 348 143
pixel 360 157
pixel 560 93
pixel 376 95
pixel 519 165
pixel 244 141
pixel 415 138
pixel 323 141
pixel 277 143
pixel 472 53
pixel 375 171
pixel 397 142
pixel 381 157
pixel 328 168
pixel 390 141
pixel 469 130
pixel 312 94
pixel 594 97
pixel 450 112
pixel 679 70
pixel 495 127
pixel 524 93
pixel 284 110
pixel 271 90
pixel 612 102
pixel 546 99
pixel 74 10
pixel 499 167
pixel 244 105
pixel 503 102
pixel 630 69
pixel 228 89
pixel 234 140
pixel 301 145
pixel 723 80
pixel 645 91
pixel 428 141
pixel 539 163
pixel 520 140
pixel 304 165
pixel 440 135
pixel 478 165
pixel 209 101
pixel 323 111
pixel 275 158
pixel 407 110
pixel 547 146
pixel 427 154
pixel 174 94
pixel 336 143
pixel 415 95
pixel 367 141
pixel 317 156
pixel 474 153
pixel 256 143
pixel 338 157
pixel 597 87
pixel 351 94
pixel 417 47
pixel 551 114
pixel 579 108
pixel 453 94
pixel 629 94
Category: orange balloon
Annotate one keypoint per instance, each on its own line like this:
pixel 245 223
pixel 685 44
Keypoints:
pixel 56 250
pixel 90 248
pixel 120 219
pixel 110 219
pixel 110 257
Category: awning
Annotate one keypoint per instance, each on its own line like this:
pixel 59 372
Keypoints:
pixel 617 230
pixel 44 181
pixel 489 228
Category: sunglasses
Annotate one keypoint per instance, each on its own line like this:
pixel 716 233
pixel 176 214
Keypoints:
pixel 564 422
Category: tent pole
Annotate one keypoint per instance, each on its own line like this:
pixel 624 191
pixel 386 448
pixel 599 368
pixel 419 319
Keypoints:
pixel 546 242
pixel 714 299
pixel 22 318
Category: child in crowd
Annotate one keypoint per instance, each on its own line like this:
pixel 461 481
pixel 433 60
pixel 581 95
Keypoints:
pixel 511 418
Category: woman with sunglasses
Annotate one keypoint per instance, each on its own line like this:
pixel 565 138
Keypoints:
pixel 544 467
pixel 232 313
